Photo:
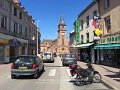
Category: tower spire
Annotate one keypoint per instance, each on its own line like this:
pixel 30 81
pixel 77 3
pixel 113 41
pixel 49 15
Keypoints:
pixel 62 20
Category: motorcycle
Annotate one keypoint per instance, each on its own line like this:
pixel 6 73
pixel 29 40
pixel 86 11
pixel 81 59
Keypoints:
pixel 85 76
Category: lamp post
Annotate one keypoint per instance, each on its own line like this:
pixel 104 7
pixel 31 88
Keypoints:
pixel 37 36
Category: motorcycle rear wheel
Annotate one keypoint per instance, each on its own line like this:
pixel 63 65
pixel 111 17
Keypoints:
pixel 97 78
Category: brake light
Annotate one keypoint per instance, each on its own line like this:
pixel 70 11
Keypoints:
pixel 34 66
pixel 12 66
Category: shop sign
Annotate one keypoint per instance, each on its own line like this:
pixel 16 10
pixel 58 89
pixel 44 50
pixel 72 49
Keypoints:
pixel 110 39
pixel 77 29
pixel 98 32
pixel 96 38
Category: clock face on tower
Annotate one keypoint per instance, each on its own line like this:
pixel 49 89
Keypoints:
pixel 62 33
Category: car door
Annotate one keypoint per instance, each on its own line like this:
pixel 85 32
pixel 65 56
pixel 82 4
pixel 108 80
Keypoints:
pixel 38 63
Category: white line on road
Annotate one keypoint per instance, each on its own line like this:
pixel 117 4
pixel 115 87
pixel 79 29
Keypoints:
pixel 68 70
pixel 52 72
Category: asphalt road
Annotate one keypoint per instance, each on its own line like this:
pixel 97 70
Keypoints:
pixel 55 77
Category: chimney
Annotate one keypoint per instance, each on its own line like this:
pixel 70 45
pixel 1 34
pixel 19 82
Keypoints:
pixel 16 1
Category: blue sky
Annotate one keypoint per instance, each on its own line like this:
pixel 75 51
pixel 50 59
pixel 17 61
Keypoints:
pixel 48 13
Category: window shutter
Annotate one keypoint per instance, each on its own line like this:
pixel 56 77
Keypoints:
pixel 12 9
pixel 7 23
pixel 18 31
pixel 0 20
pixel 12 25
pixel 18 14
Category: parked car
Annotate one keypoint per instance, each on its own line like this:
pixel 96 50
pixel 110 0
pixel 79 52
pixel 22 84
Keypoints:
pixel 48 57
pixel 27 65
pixel 68 59
pixel 68 55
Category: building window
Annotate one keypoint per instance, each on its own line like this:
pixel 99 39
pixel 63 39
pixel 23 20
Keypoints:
pixel 4 4
pixel 108 24
pixel 82 24
pixel 87 21
pixel 15 11
pixel 95 13
pixel 62 41
pixel 63 49
pixel 87 34
pixel 20 15
pixel 15 27
pixel 81 39
pixel 4 22
pixel 106 4
pixel 20 29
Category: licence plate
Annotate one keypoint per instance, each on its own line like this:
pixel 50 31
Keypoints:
pixel 23 68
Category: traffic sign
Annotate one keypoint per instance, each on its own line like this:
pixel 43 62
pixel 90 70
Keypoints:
pixel 98 32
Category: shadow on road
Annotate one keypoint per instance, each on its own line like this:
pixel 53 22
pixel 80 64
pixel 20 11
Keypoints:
pixel 28 77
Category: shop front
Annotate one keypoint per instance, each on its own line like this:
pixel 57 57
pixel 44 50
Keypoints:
pixel 86 52
pixel 17 48
pixel 109 50
pixel 4 54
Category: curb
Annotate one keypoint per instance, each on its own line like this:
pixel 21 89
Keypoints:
pixel 108 85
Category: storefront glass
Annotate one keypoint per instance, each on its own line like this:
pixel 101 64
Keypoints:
pixel 110 57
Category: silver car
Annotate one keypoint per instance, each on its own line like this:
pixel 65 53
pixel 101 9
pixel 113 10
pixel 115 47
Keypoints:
pixel 48 57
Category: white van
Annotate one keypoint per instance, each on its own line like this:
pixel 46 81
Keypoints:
pixel 48 57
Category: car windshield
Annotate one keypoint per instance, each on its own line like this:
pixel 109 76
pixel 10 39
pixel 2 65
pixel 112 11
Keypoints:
pixel 67 55
pixel 70 60
pixel 25 60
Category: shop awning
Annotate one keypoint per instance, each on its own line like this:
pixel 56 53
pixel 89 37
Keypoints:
pixel 84 45
pixel 108 46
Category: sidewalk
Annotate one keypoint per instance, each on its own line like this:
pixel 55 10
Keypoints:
pixel 109 76
pixel 4 68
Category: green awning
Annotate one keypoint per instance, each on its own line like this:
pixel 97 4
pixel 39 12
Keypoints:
pixel 84 45
pixel 108 46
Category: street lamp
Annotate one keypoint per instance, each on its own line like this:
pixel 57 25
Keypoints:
pixel 37 36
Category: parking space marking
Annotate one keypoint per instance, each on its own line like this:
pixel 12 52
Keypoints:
pixel 52 72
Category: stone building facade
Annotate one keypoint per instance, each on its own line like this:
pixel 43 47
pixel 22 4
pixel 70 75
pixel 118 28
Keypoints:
pixel 108 48
pixel 17 30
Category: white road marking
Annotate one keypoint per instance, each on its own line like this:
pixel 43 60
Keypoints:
pixel 52 72
pixel 5 75
pixel 68 71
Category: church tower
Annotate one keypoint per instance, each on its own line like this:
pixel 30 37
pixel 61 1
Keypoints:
pixel 63 46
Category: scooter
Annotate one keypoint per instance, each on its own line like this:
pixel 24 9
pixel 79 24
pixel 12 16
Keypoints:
pixel 85 76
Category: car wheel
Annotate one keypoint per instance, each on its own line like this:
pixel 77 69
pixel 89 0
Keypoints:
pixel 35 76
pixel 13 76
